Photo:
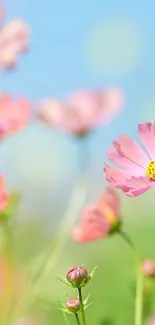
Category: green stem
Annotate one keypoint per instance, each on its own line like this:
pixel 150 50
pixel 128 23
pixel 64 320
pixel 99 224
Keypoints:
pixel 139 281
pixel 77 318
pixel 82 307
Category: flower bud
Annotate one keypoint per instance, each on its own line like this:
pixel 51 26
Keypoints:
pixel 73 304
pixel 78 276
pixel 149 268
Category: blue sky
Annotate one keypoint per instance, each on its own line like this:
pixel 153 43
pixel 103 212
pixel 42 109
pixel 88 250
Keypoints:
pixel 79 44
pixel 58 62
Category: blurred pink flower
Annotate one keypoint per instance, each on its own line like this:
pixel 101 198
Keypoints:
pixel 137 173
pixel 14 38
pixel 83 111
pixel 14 114
pixel 99 219
pixel 4 196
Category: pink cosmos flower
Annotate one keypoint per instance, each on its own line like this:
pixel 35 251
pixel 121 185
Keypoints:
pixel 136 173
pixel 98 219
pixel 14 38
pixel 14 115
pixel 83 111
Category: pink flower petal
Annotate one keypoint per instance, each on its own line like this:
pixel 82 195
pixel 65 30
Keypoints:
pixel 124 162
pixel 92 225
pixel 137 182
pixel 4 196
pixel 82 235
pixel 112 199
pixel 83 111
pixel 87 106
pixel 129 149
pixel 51 112
pixel 146 133
pixel 112 101
pixel 131 186
pixel 132 192
pixel 116 178
pixel 14 115
pixel 14 40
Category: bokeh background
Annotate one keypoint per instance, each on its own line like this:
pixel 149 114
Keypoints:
pixel 81 45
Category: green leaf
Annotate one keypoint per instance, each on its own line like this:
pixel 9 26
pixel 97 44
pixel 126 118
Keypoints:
pixel 93 271
pixel 63 280
pixel 85 307
pixel 86 300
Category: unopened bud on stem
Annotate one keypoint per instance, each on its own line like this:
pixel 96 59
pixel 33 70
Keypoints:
pixel 78 276
pixel 73 304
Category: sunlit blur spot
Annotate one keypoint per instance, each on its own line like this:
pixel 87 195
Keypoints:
pixel 115 47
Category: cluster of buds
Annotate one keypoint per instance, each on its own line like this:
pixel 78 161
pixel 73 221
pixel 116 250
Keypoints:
pixel 76 277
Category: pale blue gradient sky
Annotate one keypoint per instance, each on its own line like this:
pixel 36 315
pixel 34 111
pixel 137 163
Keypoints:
pixel 59 62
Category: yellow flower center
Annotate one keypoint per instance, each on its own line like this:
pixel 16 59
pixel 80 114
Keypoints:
pixel 111 217
pixel 150 170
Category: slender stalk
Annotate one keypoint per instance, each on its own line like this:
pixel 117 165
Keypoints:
pixel 139 281
pixel 77 318
pixel 82 307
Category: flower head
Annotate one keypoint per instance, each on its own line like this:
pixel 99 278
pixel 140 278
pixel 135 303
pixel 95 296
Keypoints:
pixel 77 276
pixel 99 219
pixel 149 268
pixel 82 112
pixel 14 38
pixel 73 304
pixel 14 115
pixel 137 168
